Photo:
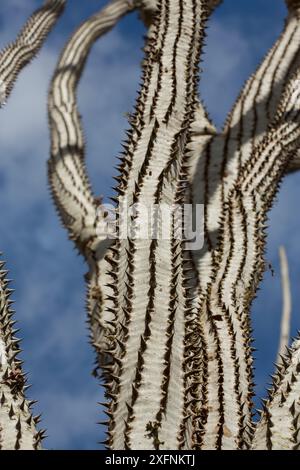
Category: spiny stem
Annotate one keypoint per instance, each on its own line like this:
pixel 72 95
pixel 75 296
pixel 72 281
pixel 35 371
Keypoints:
pixel 15 56
pixel 279 426
pixel 80 211
pixel 216 161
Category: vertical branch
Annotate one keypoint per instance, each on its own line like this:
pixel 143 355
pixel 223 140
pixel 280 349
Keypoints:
pixel 80 211
pixel 216 162
pixel 15 56
pixel 17 424
pixel 147 378
pixel 257 103
pixel 286 304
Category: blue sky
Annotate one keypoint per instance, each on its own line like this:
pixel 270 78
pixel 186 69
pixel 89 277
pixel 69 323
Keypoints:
pixel 47 273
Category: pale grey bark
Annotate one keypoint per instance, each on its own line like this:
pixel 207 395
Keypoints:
pixel 172 329
pixel 285 326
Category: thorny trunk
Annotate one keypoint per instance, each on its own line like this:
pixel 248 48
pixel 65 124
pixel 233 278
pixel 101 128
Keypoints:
pixel 171 327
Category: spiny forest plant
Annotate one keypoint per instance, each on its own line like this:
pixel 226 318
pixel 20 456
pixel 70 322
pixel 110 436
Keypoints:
pixel 171 326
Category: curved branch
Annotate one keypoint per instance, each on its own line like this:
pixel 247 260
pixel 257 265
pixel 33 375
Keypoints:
pixel 15 56
pixel 80 211
pixel 17 424
pixel 279 425
pixel 217 160
pixel 203 125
